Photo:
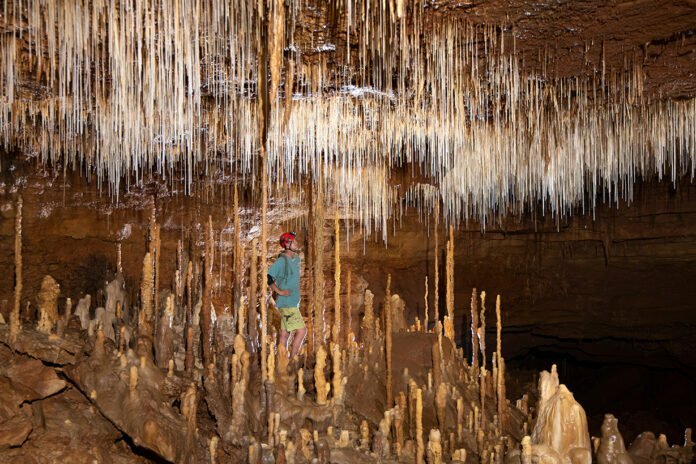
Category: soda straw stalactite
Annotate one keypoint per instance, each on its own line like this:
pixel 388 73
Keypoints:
pixel 15 322
pixel 336 331
pixel 388 341
pixel 206 307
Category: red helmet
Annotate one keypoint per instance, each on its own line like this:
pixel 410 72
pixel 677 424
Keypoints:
pixel 286 238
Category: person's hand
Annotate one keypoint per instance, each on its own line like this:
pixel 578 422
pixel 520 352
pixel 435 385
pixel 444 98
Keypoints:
pixel 283 292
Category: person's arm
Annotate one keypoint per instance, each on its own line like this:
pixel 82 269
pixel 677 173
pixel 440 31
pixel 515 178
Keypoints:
pixel 272 285
pixel 275 288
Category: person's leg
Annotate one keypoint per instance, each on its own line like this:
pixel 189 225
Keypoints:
pixel 298 340
pixel 283 338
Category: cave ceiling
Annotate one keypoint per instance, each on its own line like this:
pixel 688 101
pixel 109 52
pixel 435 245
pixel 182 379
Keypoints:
pixel 483 107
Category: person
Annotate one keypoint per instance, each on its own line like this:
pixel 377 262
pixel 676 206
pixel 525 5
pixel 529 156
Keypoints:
pixel 284 279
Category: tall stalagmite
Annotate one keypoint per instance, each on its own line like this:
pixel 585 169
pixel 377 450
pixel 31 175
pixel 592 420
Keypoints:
pixel 15 321
pixel 336 331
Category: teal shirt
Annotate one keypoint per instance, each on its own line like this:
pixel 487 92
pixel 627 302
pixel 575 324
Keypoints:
pixel 285 272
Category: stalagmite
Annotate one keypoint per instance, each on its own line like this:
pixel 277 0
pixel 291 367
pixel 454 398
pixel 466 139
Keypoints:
pixel 145 315
pixel 500 379
pixel 253 284
pixel 119 261
pixel 206 317
pixel 320 384
pixel 425 310
pixel 434 447
pixel 557 406
pixel 449 320
pixel 420 448
pixel 165 334
pixel 271 364
pixel 368 317
pixel 15 320
pixel 47 302
pixel 237 265
pixel 436 286
pixel 611 447
pixel 460 419
pixel 441 397
pixel 364 436
pixel 133 379
pixel 437 362
pixel 300 385
pixel 474 334
pixel 336 331
pixel 399 413
pixel 338 379
pixel 264 261
pixel 388 340
pixel 349 309
pixel 318 255
pixel 156 271
pixel 241 316
pixel 212 448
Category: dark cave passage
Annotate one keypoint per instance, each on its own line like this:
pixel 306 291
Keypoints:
pixel 642 397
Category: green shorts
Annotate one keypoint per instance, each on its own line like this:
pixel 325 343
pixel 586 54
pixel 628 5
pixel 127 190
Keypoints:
pixel 291 319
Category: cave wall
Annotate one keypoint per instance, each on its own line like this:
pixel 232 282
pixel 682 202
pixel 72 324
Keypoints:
pixel 623 278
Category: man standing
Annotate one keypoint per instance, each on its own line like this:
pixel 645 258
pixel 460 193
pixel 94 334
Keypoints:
pixel 284 279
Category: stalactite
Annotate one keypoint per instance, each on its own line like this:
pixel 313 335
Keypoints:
pixel 15 320
pixel 388 341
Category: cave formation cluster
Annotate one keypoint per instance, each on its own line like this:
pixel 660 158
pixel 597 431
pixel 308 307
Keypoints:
pixel 316 106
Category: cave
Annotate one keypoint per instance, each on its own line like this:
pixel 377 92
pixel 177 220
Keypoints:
pixel 491 206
